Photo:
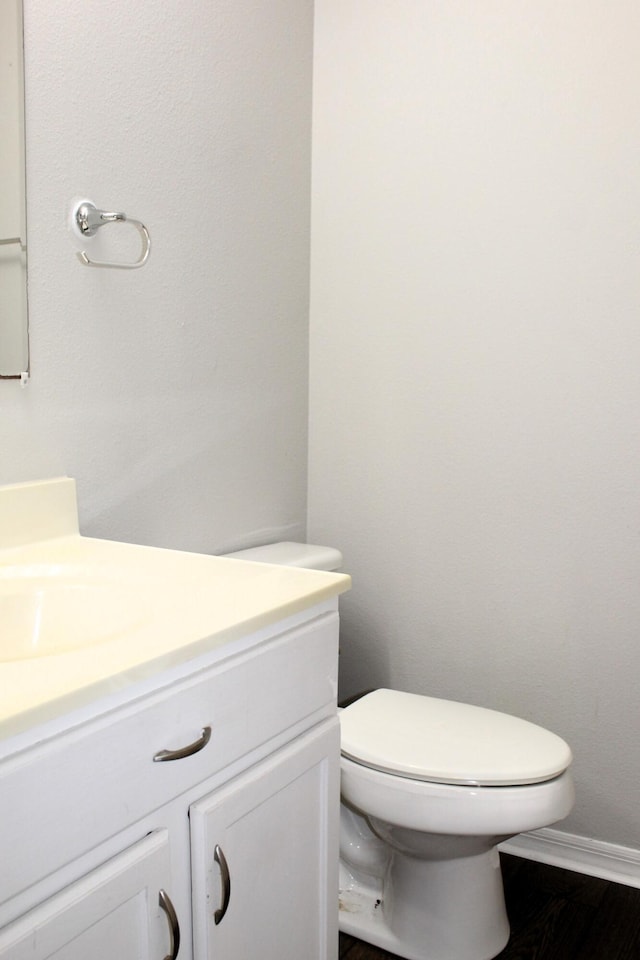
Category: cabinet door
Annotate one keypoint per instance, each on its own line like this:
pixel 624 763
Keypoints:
pixel 274 830
pixel 112 912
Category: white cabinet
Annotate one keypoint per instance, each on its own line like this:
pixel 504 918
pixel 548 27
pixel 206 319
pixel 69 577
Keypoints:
pixel 264 855
pixel 114 911
pixel 92 827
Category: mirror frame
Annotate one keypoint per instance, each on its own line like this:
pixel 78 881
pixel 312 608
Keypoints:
pixel 15 329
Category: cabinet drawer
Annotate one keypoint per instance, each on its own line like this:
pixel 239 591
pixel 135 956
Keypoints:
pixel 62 799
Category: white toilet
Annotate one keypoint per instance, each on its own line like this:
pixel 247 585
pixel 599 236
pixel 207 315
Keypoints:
pixel 429 788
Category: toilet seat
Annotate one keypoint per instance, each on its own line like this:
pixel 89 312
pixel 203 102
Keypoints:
pixel 441 741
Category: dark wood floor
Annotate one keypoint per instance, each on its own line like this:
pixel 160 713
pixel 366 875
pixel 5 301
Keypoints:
pixel 554 915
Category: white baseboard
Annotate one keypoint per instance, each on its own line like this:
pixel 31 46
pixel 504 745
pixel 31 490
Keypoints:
pixel 581 854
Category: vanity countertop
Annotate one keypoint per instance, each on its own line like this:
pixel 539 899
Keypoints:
pixel 185 604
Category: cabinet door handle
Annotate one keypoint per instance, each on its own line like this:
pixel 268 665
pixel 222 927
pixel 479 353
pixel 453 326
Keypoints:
pixel 174 926
pixel 221 860
pixel 187 751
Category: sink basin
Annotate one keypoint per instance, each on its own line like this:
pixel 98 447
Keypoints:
pixel 44 612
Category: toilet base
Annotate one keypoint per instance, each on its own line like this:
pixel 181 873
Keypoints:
pixel 429 909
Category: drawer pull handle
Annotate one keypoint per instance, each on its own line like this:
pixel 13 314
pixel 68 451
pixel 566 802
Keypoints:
pixel 187 751
pixel 221 860
pixel 174 926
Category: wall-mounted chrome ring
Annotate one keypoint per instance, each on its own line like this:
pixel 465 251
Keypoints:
pixel 88 220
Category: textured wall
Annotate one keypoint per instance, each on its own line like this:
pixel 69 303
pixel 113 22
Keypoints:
pixel 475 399
pixel 175 394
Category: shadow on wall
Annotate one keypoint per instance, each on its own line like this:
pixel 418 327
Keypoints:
pixel 364 664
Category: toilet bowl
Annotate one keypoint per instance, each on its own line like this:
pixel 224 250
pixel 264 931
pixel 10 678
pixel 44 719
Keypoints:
pixel 438 785
pixel 429 788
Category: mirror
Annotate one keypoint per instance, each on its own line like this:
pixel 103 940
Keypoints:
pixel 14 342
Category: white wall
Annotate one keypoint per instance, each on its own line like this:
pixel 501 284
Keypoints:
pixel 475 344
pixel 175 394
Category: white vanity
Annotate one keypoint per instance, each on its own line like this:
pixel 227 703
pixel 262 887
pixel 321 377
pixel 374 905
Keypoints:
pixel 170 788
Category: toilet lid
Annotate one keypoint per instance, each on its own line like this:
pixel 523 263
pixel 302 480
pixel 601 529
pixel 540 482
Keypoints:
pixel 446 742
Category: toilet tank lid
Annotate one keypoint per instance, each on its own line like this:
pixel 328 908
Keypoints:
pixel 289 554
pixel 442 741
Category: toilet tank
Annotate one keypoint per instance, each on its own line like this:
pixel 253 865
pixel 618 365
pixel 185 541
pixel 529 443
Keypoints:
pixel 289 554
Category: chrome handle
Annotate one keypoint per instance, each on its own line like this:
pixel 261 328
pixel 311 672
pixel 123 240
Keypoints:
pixel 221 860
pixel 174 926
pixel 187 751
